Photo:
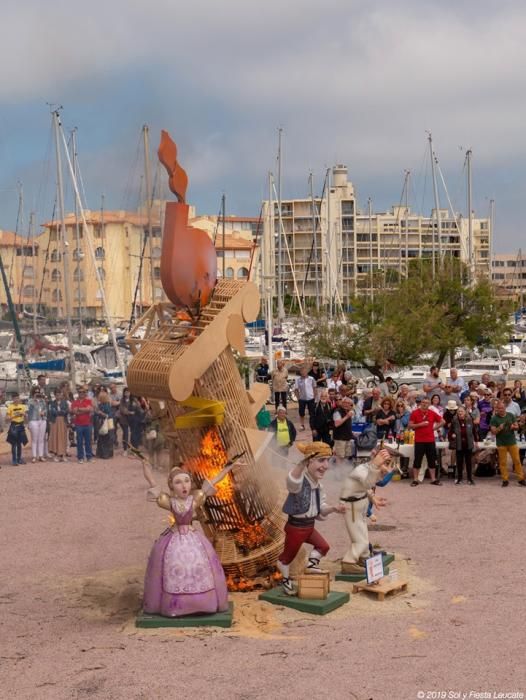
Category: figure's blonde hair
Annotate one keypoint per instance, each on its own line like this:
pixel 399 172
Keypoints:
pixel 175 471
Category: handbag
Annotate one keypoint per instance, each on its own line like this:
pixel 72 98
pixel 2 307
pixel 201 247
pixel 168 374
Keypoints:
pixel 104 428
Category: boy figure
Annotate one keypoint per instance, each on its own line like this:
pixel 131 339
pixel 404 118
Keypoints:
pixel 304 505
pixel 356 494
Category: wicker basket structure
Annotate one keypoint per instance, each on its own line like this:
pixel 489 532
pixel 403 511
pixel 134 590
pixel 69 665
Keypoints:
pixel 174 361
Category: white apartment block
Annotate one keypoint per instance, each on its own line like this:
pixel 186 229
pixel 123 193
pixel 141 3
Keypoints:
pixel 335 250
pixel 508 272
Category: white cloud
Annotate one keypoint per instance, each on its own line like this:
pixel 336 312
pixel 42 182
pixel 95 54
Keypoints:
pixel 350 80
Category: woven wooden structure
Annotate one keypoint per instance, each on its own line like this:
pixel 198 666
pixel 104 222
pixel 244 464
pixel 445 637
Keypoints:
pixel 175 360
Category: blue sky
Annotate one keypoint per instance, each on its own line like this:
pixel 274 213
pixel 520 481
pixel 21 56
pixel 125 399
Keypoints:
pixel 357 82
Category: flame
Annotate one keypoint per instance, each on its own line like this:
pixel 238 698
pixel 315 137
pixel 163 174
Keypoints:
pixel 250 537
pixel 178 179
pixel 210 461
pixel 241 584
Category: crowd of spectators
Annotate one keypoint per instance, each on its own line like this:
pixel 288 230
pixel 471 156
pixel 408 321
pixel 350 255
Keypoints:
pixel 95 422
pixel 468 416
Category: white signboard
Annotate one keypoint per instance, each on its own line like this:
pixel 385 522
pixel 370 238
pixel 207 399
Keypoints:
pixel 374 568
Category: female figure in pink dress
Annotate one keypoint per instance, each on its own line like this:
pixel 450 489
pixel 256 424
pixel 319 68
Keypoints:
pixel 184 575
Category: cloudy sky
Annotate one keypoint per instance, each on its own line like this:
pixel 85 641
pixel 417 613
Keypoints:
pixel 350 81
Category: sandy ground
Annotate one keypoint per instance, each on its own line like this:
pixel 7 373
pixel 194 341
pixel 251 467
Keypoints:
pixel 75 540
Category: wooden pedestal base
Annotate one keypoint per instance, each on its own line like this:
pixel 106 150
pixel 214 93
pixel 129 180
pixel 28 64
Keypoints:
pixel 381 588
pixel 354 578
pixel 313 586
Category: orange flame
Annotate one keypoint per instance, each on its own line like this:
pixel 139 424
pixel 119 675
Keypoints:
pixel 250 537
pixel 178 179
pixel 209 463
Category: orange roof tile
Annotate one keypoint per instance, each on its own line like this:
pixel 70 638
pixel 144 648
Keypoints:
pixel 9 238
pixel 108 217
pixel 233 243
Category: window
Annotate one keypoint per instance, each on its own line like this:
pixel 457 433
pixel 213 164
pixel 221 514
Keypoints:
pixel 82 358
pixel 242 273
pixel 56 276
pixel 28 291
pixel 347 208
pixel 102 273
pixel 157 273
pixel 78 254
pixel 100 253
pixel 78 274
pixel 55 256
pixel 156 253
pixel 242 254
pixel 158 293
pixel 56 295
pixel 29 271
pixel 229 272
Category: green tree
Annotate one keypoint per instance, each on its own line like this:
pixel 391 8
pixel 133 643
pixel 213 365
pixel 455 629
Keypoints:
pixel 419 315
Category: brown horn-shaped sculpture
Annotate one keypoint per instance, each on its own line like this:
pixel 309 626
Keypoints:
pixel 188 261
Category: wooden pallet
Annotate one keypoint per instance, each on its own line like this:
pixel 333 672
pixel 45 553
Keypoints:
pixel 382 587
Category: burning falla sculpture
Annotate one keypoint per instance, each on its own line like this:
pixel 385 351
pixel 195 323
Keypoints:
pixel 185 359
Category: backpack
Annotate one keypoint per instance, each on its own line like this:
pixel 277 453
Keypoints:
pixel 367 439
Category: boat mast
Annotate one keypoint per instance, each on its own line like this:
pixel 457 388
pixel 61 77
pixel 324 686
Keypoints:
pixel 223 214
pixel 14 321
pixel 65 248
pixel 328 267
pixel 35 299
pixel 268 278
pixel 94 262
pixel 437 207
pixel 470 216
pixel 490 241
pixel 314 239
pixel 406 185
pixel 77 235
pixel 148 187
pixel 370 213
pixel 281 311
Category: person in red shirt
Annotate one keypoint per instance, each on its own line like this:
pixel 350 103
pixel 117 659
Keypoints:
pixel 424 422
pixel 82 410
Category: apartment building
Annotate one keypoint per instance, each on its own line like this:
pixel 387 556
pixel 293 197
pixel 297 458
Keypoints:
pixel 331 249
pixel 508 272
pixel 20 257
pixel 117 244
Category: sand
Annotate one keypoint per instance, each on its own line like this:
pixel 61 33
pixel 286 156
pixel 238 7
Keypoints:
pixel 75 540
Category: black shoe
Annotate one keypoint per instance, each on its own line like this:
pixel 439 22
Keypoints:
pixel 458 481
pixel 414 483
pixel 505 483
pixel 436 482
pixel 471 482
pixel 522 482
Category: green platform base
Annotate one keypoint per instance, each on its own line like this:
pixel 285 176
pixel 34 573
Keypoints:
pixel 334 600
pixel 354 578
pixel 220 619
